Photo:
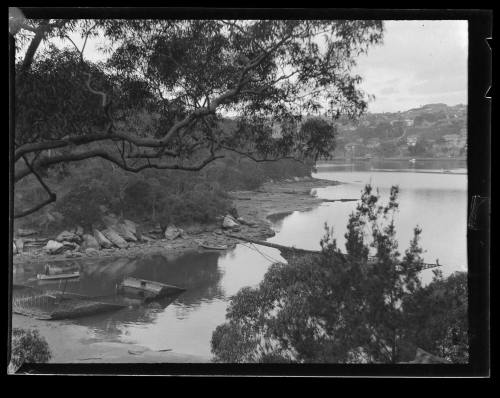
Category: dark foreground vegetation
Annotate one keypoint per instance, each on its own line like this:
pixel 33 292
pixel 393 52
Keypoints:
pixel 90 188
pixel 28 347
pixel 337 308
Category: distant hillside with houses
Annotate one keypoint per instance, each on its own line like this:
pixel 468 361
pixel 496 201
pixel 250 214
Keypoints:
pixel 433 130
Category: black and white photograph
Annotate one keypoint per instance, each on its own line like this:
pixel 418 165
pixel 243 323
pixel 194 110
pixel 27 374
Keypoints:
pixel 235 188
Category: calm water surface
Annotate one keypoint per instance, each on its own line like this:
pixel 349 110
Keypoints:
pixel 436 201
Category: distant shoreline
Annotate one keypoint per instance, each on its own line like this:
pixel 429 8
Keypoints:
pixel 462 158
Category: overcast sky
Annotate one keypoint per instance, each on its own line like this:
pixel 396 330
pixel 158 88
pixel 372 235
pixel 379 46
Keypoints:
pixel 419 62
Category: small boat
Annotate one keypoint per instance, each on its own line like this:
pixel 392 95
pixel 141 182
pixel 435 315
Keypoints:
pixel 148 290
pixel 213 247
pixel 70 275
pixel 412 160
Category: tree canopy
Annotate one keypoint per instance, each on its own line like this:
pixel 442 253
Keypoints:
pixel 158 99
pixel 365 306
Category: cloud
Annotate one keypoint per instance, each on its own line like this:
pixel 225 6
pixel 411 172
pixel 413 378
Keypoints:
pixel 418 63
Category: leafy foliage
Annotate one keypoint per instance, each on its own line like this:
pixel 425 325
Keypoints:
pixel 160 98
pixel 28 347
pixel 334 307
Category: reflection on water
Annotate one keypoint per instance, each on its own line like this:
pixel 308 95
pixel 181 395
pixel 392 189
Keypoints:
pixel 436 202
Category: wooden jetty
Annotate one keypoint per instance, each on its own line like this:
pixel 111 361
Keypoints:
pixel 287 249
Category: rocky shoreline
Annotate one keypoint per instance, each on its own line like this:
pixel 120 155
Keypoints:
pixel 254 207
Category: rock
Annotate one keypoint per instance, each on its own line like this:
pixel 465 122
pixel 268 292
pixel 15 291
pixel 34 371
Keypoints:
pixel 26 232
pixel 242 221
pixel 172 232
pixel 110 220
pixel 70 245
pixel 236 229
pixel 124 231
pixel 218 232
pixel 146 238
pixel 79 231
pixel 132 226
pixel 68 236
pixel 73 254
pixel 102 241
pixel 115 238
pixel 91 250
pixel 89 242
pixel 233 212
pixel 53 247
pixel 156 230
pixel 229 222
pixel 19 245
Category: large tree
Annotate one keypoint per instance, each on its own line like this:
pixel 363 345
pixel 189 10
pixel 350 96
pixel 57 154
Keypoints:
pixel 158 99
pixel 348 308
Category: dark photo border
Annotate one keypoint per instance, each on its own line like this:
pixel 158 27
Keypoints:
pixel 479 177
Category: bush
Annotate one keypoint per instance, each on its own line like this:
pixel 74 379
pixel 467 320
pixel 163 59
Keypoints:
pixel 81 205
pixel 28 347
pixel 336 308
pixel 201 205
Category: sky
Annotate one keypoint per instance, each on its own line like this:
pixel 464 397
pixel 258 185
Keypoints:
pixel 419 62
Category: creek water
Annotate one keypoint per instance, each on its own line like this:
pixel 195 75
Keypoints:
pixel 433 195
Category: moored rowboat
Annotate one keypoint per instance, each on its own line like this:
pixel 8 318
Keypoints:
pixel 213 247
pixel 69 275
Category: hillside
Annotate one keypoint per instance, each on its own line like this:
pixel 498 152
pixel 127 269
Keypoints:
pixel 433 130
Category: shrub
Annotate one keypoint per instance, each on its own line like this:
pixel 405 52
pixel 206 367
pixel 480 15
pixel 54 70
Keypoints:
pixel 201 205
pixel 28 346
pixel 81 205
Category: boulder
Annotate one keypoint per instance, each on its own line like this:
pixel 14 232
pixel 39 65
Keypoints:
pixel 172 232
pixel 115 238
pixel 72 254
pixel 90 250
pixel 132 226
pixel 145 238
pixel 229 222
pixel 70 245
pixel 89 242
pixel 242 221
pixel 26 232
pixel 156 230
pixel 233 212
pixel 79 230
pixel 109 220
pixel 68 236
pixel 124 231
pixel 102 240
pixel 53 247
pixel 19 245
